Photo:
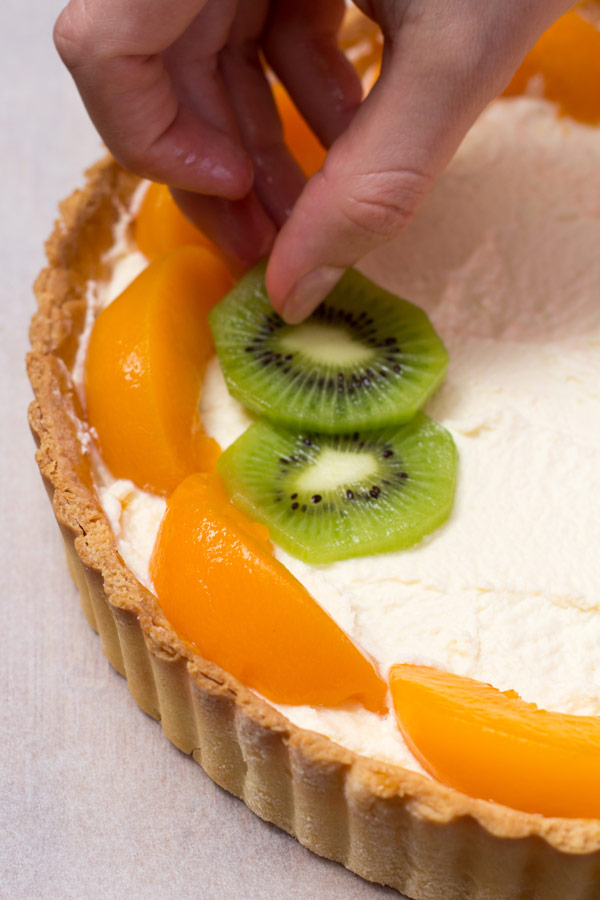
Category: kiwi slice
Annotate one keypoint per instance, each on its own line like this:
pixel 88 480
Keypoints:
pixel 328 497
pixel 364 358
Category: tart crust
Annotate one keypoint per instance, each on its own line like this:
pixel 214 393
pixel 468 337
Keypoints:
pixel 387 824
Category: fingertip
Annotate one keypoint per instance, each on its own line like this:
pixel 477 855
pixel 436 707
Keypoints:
pixel 233 178
pixel 241 228
pixel 196 157
pixel 305 295
pixel 277 281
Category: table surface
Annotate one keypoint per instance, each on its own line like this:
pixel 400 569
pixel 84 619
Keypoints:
pixel 96 803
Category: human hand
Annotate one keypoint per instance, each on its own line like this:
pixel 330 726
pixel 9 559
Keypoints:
pixel 178 92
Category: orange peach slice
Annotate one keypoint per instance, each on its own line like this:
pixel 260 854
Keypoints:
pixel 361 39
pixel 223 590
pixel 160 226
pixel 298 137
pixel 493 745
pixel 144 368
pixel 566 59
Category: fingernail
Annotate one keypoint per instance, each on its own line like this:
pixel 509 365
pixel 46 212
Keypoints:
pixel 308 292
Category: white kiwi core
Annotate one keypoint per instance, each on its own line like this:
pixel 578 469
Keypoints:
pixel 326 344
pixel 335 468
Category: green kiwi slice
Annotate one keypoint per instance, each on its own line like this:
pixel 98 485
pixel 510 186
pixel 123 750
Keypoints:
pixel 364 359
pixel 330 497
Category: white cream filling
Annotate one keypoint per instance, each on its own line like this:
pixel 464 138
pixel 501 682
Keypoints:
pixel 504 257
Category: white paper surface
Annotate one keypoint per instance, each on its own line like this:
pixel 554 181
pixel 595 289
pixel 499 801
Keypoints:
pixel 96 804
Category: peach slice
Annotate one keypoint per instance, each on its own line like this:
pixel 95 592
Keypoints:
pixel 493 745
pixel 304 145
pixel 567 60
pixel 160 226
pixel 144 368
pixel 223 590
pixel 361 39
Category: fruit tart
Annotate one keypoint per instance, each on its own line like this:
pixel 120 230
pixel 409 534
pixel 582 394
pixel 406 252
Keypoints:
pixel 351 565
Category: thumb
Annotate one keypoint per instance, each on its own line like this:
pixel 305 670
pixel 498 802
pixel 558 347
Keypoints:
pixel 378 172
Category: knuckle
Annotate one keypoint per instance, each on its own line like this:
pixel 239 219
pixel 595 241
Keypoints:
pixel 72 37
pixel 383 203
pixel 65 37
